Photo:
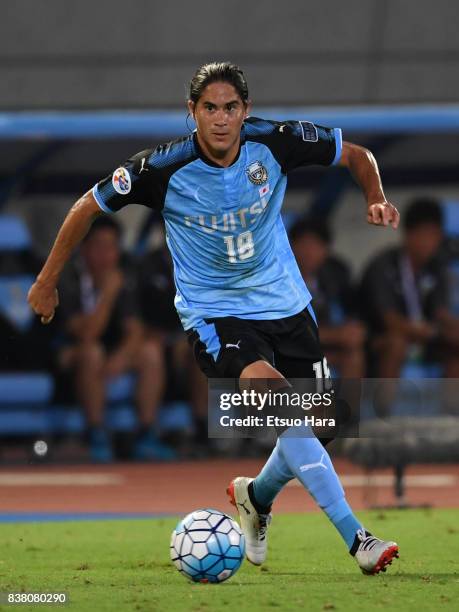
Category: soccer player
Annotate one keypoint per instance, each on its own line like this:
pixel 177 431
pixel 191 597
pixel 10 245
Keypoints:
pixel 240 295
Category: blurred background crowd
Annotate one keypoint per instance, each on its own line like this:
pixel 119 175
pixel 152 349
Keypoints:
pixel 117 339
pixel 114 370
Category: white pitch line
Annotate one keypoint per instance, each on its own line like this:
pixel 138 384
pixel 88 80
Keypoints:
pixel 388 480
pixel 49 479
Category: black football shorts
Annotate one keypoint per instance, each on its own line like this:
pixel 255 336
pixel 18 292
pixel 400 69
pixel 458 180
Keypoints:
pixel 224 346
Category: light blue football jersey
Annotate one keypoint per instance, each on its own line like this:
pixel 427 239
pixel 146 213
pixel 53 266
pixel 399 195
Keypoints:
pixel 224 229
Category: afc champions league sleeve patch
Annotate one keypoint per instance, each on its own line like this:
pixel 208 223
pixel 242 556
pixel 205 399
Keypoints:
pixel 257 173
pixel 308 131
pixel 121 181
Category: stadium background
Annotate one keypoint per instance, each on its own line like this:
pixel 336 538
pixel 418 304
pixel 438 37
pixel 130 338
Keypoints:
pixel 85 85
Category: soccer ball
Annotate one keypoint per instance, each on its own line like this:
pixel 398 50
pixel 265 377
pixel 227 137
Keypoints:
pixel 207 546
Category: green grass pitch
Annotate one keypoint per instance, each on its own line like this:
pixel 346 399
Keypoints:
pixel 124 566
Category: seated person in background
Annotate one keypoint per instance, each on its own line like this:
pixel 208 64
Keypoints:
pixel 157 293
pixel 328 280
pixel 24 343
pixel 403 296
pixel 105 339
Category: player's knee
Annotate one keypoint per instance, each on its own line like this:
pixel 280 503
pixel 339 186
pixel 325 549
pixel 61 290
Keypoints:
pixel 260 369
pixel 261 377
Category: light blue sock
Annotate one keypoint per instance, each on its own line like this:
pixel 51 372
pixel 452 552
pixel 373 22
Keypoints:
pixel 343 519
pixel 272 478
pixel 310 463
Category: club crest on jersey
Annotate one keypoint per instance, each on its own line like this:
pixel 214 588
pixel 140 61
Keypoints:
pixel 257 173
pixel 121 181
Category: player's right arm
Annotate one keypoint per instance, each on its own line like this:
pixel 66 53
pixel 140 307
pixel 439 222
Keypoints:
pixel 43 297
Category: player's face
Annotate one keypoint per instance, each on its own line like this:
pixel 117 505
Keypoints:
pixel 101 251
pixel 219 114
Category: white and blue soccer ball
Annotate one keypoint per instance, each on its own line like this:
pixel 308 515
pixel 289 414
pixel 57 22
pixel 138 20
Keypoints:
pixel 207 546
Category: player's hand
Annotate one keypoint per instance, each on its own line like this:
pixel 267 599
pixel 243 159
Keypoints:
pixel 43 300
pixel 383 213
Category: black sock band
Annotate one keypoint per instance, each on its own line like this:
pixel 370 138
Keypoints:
pixel 255 504
pixel 357 542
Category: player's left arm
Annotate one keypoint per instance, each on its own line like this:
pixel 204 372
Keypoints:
pixel 363 167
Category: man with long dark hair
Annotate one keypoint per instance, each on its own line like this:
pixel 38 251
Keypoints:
pixel 240 295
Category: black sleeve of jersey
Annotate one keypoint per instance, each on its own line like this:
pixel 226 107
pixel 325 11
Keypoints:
pixel 135 182
pixel 299 143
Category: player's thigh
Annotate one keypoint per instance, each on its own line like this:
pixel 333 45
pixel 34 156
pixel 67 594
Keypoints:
pixel 224 347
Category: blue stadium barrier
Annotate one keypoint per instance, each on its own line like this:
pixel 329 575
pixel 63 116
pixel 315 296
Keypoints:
pixel 175 416
pixel 116 124
pixel 451 218
pixel 420 371
pixel 34 419
pixel 26 420
pixel 37 387
pixel 14 234
pixel 121 388
pixel 26 408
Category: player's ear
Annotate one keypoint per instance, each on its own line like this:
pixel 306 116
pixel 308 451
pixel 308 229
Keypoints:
pixel 191 107
pixel 248 109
